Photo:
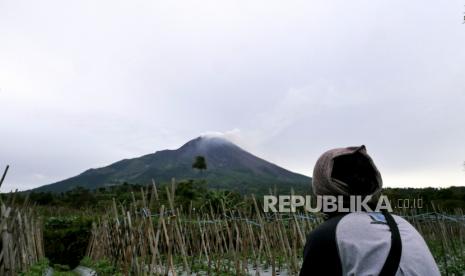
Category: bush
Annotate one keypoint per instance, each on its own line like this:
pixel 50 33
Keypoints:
pixel 38 269
pixel 102 267
pixel 66 239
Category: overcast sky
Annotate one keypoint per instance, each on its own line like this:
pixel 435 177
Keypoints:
pixel 86 83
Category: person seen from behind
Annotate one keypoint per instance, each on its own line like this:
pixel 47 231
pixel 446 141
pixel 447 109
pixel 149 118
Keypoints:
pixel 361 243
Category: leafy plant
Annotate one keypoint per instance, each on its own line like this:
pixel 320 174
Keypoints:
pixel 102 267
pixel 38 269
pixel 66 239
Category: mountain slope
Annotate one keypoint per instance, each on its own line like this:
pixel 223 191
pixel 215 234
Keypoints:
pixel 229 167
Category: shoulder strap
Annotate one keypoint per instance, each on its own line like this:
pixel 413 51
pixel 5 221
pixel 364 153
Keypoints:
pixel 393 259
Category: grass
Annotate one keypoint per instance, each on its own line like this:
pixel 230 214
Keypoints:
pixel 38 269
pixel 446 240
pixel 63 270
pixel 102 266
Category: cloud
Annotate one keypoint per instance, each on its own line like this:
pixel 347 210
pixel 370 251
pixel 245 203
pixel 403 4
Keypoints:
pixel 234 135
pixel 89 83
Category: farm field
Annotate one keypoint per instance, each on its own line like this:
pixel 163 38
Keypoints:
pixel 225 240
pixel 150 230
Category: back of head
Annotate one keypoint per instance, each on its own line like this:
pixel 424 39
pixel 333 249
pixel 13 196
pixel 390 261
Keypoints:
pixel 346 171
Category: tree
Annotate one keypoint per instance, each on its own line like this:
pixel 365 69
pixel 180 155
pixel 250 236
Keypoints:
pixel 199 163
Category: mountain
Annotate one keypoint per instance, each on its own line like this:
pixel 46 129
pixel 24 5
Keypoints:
pixel 229 167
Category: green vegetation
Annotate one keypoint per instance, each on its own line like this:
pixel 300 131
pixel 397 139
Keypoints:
pixel 102 267
pixel 200 163
pixel 38 269
pixel 210 234
pixel 229 168
pixel 445 199
pixel 68 219
pixel 41 267
pixel 65 240
pixel 63 270
pixel 446 250
pixel 81 201
pixel 130 228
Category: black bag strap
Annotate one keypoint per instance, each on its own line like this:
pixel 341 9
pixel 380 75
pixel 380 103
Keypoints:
pixel 393 259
